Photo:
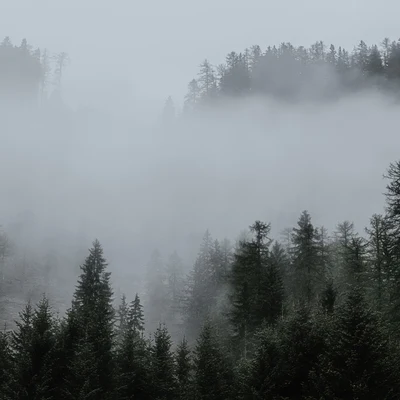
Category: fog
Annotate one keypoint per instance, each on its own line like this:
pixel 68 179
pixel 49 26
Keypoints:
pixel 137 187
pixel 99 163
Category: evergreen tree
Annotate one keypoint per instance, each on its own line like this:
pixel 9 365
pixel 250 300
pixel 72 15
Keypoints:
pixel 175 292
pixel 33 345
pixel 156 304
pixel 265 379
pixel 212 376
pixel 163 366
pixel 302 343
pixel 94 314
pixel 357 362
pixel 136 315
pixel 308 272
pixel 328 297
pixel 133 362
pixel 184 370
pixel 200 291
pixel 207 81
pixel 122 318
pixel 7 372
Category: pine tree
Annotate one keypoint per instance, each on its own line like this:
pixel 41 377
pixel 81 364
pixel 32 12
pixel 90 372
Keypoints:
pixel 200 292
pixel 302 341
pixel 212 376
pixel 328 297
pixel 136 315
pixel 308 272
pixel 94 314
pixel 206 81
pixel 34 344
pixel 184 370
pixel 163 366
pixel 357 362
pixel 133 377
pixel 175 293
pixel 265 378
pixel 7 372
pixel 122 318
pixel 379 260
pixel 156 303
pixel 257 286
pixel 168 116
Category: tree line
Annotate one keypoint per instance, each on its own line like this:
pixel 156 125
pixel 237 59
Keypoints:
pixel 310 316
pixel 29 73
pixel 291 73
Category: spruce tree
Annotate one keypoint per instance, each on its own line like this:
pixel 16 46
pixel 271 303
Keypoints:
pixel 34 347
pixel 357 362
pixel 212 376
pixel 94 313
pixel 133 377
pixel 184 370
pixel 7 372
pixel 122 318
pixel 136 315
pixel 156 300
pixel 308 272
pixel 163 366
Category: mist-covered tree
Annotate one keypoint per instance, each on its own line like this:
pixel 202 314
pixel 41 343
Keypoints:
pixel 156 301
pixel 200 293
pixel 308 272
pixel 94 314
pixel 136 315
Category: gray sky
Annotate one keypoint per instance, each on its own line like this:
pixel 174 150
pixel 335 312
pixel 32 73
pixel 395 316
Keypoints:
pixel 157 45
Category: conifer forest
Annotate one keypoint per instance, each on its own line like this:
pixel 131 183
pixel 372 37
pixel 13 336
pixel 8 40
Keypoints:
pixel 301 311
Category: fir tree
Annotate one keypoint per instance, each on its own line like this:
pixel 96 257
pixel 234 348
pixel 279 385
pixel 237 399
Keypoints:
pixel 163 366
pixel 136 315
pixel 357 362
pixel 308 271
pixel 7 372
pixel 212 376
pixel 94 314
pixel 183 370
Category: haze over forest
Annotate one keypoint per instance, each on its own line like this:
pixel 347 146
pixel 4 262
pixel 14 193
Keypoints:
pixel 187 162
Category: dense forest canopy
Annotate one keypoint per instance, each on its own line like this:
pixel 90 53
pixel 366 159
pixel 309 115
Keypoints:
pixel 309 314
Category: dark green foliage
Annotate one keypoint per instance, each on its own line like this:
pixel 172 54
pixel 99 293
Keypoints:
pixel 212 373
pixel 7 372
pixel 357 362
pixel 302 341
pixel 308 272
pixel 34 349
pixel 163 366
pixel 184 373
pixel 328 297
pixel 257 286
pixel 136 315
pixel 266 373
pixel 92 308
pixel 133 366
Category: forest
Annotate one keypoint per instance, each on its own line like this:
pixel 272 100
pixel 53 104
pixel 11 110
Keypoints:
pixel 309 315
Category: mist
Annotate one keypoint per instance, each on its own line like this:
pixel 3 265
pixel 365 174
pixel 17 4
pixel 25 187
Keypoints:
pixel 139 186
